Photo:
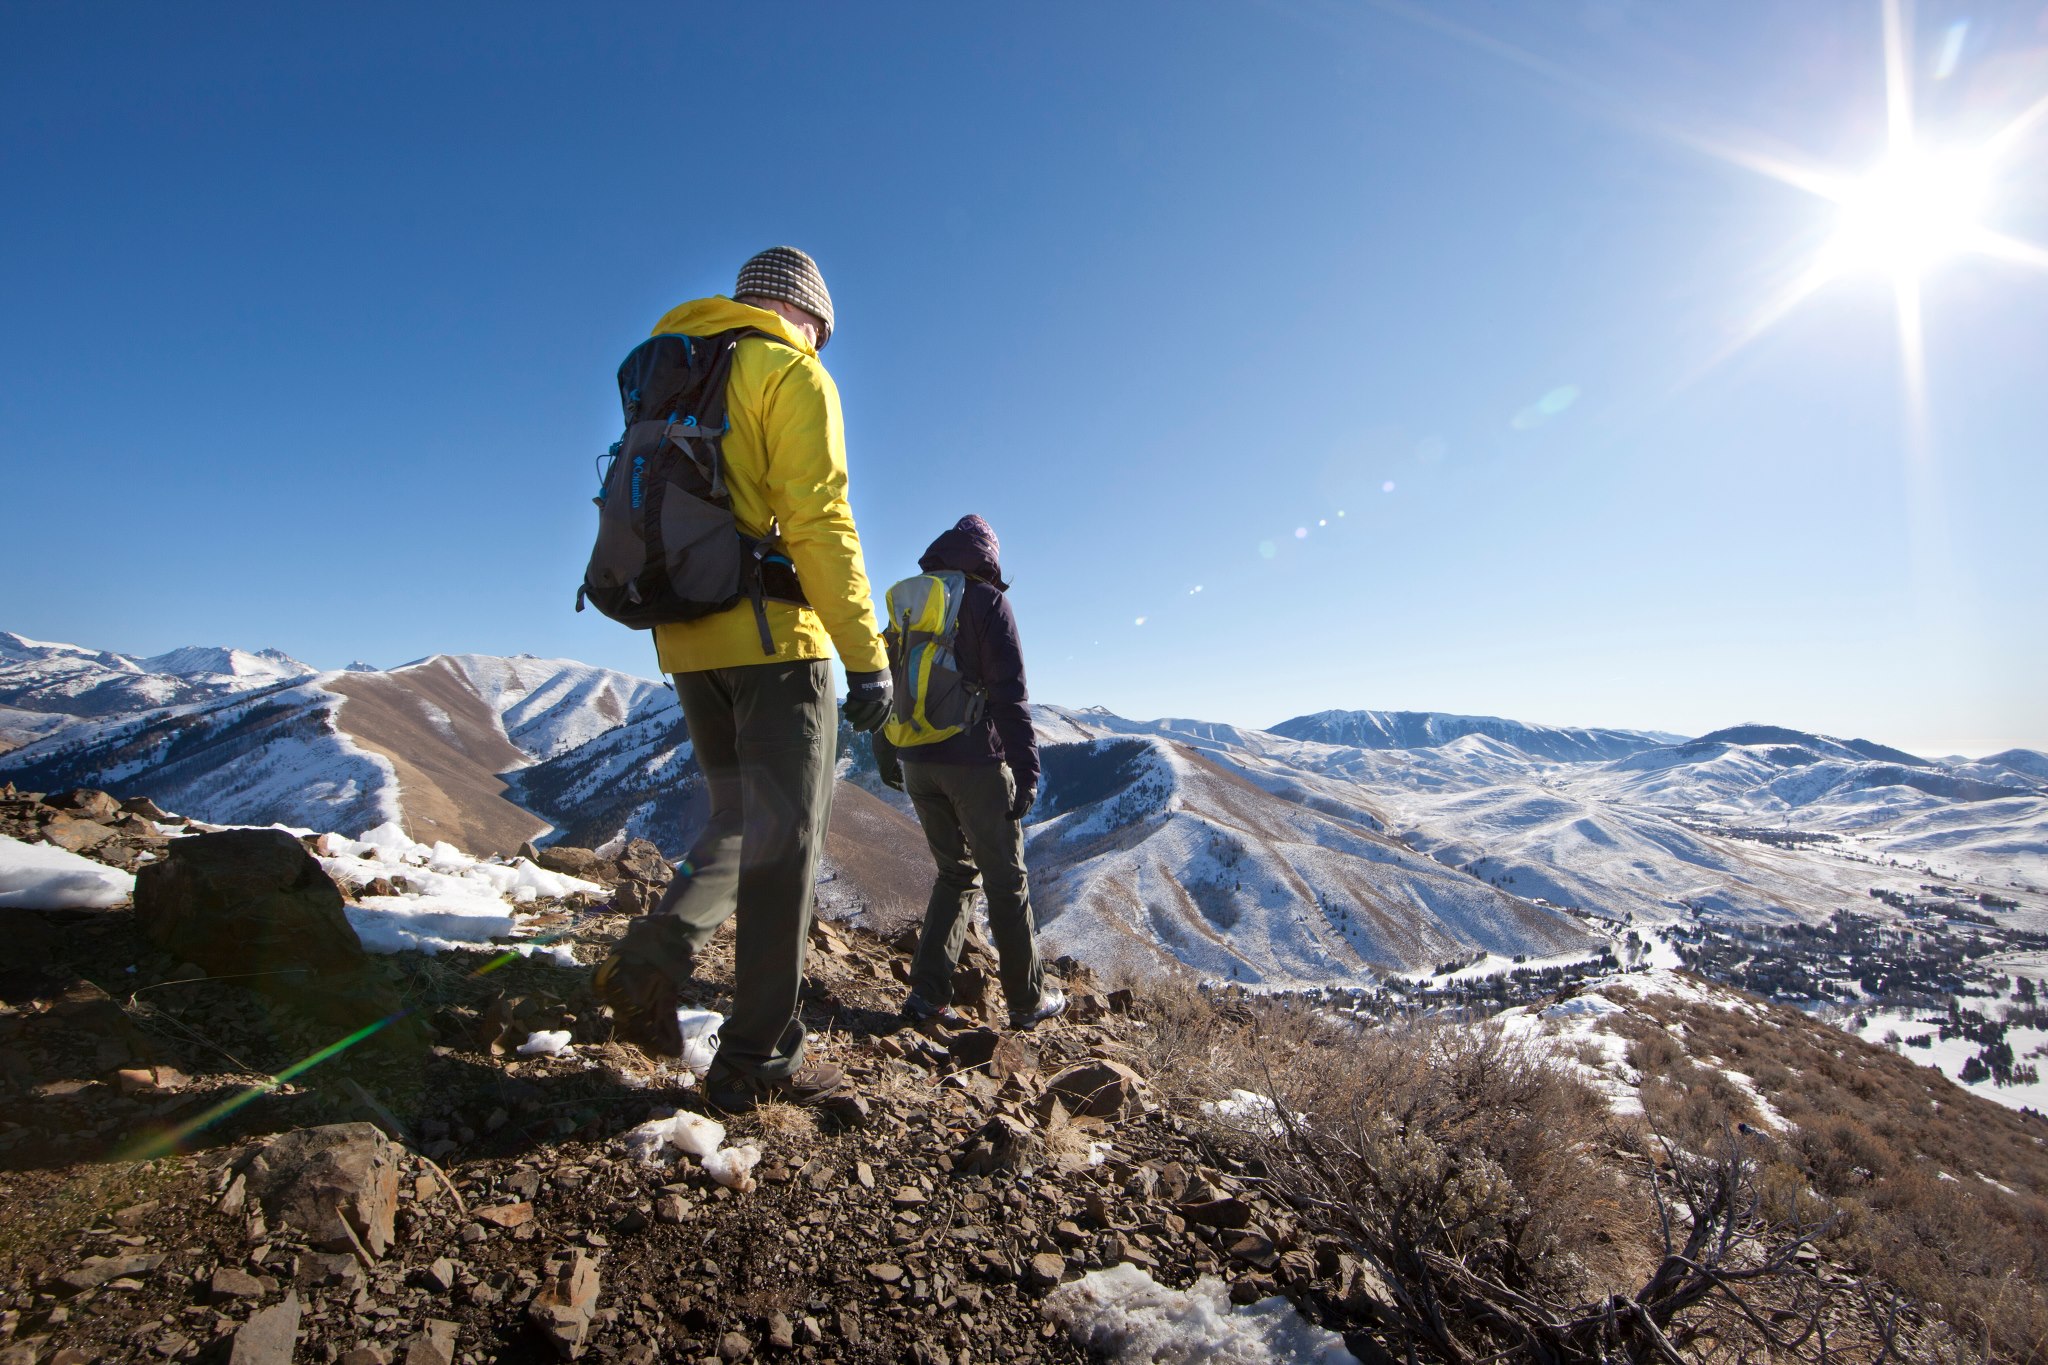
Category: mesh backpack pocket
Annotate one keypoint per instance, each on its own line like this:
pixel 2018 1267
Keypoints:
pixel 932 700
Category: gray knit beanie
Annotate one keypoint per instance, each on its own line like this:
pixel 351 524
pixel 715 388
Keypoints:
pixel 789 276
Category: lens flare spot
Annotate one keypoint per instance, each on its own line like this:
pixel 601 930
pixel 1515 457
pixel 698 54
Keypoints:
pixel 1951 49
pixel 1192 591
pixel 1141 621
pixel 1267 549
pixel 1301 533
pixel 1387 487
pixel 1553 404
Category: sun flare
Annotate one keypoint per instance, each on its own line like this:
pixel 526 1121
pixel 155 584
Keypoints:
pixel 1916 209
pixel 1924 203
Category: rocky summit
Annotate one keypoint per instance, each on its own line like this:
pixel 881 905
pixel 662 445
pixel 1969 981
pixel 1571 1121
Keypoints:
pixel 196 1164
pixel 476 1198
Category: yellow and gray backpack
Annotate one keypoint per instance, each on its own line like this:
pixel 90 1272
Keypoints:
pixel 932 700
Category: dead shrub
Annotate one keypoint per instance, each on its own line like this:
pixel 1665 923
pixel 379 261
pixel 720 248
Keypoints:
pixel 1842 1155
pixel 1508 1215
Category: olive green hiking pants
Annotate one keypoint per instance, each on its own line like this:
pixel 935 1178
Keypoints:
pixel 765 737
pixel 965 811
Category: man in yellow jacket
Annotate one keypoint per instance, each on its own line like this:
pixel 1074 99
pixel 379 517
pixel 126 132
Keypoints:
pixel 760 710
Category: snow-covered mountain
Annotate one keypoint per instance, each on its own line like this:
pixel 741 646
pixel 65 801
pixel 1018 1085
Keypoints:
pixel 44 686
pixel 219 661
pixel 260 737
pixel 1259 855
pixel 1709 825
pixel 1431 729
pixel 1144 848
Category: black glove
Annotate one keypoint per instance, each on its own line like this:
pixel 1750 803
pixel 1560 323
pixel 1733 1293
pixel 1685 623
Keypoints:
pixel 887 765
pixel 1021 802
pixel 867 700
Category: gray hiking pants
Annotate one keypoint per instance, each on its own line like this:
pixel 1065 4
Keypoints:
pixel 965 811
pixel 764 736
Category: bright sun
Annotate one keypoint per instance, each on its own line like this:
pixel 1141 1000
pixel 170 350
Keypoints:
pixel 1927 202
pixel 1916 209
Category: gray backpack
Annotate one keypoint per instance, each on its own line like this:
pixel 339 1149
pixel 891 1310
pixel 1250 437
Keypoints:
pixel 668 547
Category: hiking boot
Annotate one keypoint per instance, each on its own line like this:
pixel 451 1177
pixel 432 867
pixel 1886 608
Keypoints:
pixel 1052 1003
pixel 813 1084
pixel 643 1003
pixel 919 1010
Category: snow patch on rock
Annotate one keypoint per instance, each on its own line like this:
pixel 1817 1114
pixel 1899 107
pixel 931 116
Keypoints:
pixel 1132 1319
pixel 45 877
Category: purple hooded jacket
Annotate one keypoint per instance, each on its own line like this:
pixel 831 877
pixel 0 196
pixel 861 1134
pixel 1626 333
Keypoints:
pixel 985 643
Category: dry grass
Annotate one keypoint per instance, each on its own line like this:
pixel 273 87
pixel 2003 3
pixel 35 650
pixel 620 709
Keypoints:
pixel 784 1122
pixel 1509 1213
pixel 1422 1141
pixel 1940 1192
pixel 1065 1146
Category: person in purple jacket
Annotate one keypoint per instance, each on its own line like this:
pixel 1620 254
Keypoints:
pixel 971 792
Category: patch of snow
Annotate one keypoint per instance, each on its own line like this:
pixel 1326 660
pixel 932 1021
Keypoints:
pixel 561 954
pixel 1664 954
pixel 1688 990
pixel 700 1037
pixel 686 1132
pixel 545 1042
pixel 700 1137
pixel 45 877
pixel 428 924
pixel 733 1167
pixel 1250 1111
pixel 1498 964
pixel 1587 1006
pixel 451 900
pixel 1765 1110
pixel 1132 1319
pixel 441 868
pixel 1572 1035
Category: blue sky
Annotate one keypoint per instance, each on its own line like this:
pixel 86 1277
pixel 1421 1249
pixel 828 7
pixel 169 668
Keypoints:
pixel 310 316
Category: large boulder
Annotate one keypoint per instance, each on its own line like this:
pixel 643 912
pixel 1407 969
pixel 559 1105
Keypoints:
pixel 87 802
pixel 641 861
pixel 75 834
pixel 1099 1089
pixel 316 1179
pixel 253 904
pixel 572 861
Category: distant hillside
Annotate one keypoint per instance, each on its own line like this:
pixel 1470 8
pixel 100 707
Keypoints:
pixel 71 681
pixel 1821 745
pixel 1256 854
pixel 259 738
pixel 1144 849
pixel 1429 729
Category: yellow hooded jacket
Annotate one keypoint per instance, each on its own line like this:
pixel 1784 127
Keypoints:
pixel 785 459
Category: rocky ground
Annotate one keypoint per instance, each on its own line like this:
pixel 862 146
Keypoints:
pixel 176 1182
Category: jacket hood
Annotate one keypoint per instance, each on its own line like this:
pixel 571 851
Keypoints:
pixel 703 317
pixel 970 547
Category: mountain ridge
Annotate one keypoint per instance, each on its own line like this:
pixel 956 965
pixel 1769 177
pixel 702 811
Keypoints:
pixel 1245 854
pixel 1431 729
